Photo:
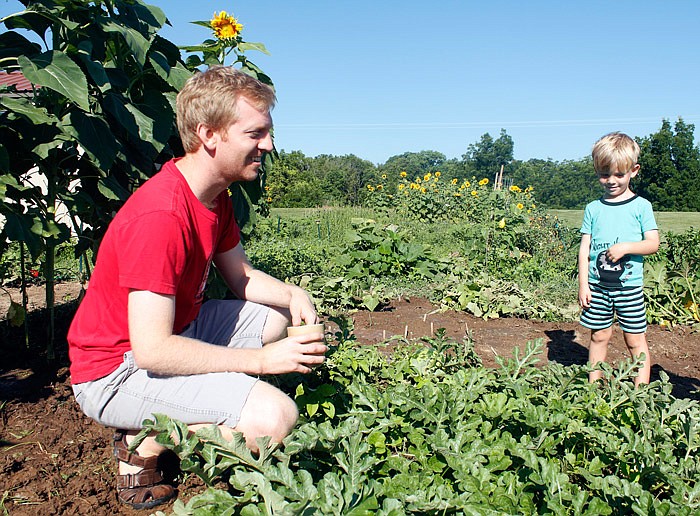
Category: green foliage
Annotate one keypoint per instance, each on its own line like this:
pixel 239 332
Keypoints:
pixel 286 259
pixel 376 251
pixel 670 168
pixel 487 156
pixel 426 430
pixel 672 281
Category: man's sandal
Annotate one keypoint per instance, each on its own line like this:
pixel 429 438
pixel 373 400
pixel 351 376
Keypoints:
pixel 145 489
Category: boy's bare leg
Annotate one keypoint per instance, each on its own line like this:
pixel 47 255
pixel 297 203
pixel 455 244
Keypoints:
pixel 637 344
pixel 598 350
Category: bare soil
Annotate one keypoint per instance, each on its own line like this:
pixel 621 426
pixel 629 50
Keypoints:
pixel 54 460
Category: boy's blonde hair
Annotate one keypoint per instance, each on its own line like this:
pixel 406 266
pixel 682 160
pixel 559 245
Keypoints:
pixel 210 98
pixel 615 151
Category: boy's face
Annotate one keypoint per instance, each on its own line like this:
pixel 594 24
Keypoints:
pixel 616 183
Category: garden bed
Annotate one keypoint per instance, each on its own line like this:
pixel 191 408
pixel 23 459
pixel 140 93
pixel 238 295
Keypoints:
pixel 54 460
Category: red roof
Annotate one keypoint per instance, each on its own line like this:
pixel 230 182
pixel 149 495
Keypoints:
pixel 16 78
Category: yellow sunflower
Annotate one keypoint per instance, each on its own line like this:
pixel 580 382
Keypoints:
pixel 225 26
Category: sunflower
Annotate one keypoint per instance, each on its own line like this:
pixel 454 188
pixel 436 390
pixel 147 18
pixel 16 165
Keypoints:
pixel 520 206
pixel 225 26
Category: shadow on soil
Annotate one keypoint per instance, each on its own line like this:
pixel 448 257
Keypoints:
pixel 26 373
pixel 564 350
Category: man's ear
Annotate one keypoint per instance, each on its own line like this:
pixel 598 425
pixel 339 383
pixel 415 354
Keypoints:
pixel 207 136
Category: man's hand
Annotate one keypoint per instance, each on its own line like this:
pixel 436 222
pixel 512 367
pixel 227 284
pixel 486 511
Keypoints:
pixel 301 308
pixel 296 354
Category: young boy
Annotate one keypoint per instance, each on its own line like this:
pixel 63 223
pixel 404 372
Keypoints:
pixel 618 230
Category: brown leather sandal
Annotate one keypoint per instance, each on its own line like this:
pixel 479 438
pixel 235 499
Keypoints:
pixel 145 489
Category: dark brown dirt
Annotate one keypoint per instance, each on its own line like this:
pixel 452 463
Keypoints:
pixel 54 460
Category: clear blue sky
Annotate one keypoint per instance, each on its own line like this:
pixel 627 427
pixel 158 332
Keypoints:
pixel 379 78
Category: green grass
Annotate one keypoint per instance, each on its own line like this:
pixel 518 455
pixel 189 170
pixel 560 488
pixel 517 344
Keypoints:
pixel 675 221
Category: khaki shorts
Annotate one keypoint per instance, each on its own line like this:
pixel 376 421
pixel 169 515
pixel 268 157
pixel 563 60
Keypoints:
pixel 127 396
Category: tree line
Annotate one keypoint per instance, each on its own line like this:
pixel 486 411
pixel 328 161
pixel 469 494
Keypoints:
pixel 669 178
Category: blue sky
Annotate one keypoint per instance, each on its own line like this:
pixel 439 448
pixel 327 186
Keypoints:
pixel 379 78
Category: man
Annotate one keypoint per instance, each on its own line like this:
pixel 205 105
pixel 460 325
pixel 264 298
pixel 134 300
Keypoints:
pixel 142 341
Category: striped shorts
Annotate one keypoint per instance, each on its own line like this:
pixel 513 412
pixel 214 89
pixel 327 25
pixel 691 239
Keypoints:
pixel 628 305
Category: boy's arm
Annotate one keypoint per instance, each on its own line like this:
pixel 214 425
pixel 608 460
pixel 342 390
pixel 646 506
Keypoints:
pixel 584 291
pixel 649 245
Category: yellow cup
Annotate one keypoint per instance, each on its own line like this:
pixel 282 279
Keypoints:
pixel 304 329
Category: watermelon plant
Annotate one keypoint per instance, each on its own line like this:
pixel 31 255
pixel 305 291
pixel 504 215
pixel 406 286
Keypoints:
pixel 425 429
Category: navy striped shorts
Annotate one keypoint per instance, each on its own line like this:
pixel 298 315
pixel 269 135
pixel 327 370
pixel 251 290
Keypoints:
pixel 628 305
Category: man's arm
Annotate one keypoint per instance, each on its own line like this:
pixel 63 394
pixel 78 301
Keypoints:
pixel 158 350
pixel 253 285
pixel 649 245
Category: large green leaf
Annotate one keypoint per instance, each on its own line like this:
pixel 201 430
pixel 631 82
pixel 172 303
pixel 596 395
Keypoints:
pixel 28 20
pixel 174 75
pixel 25 108
pixel 56 71
pixel 245 46
pixel 115 105
pixel 23 228
pixel 95 69
pixel 13 45
pixel 136 42
pixel 157 107
pixel 110 188
pixel 94 136
pixel 149 18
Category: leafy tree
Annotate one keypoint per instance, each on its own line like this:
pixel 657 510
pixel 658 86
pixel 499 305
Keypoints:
pixel 670 168
pixel 487 156
pixel 343 178
pixel 558 185
pixel 291 183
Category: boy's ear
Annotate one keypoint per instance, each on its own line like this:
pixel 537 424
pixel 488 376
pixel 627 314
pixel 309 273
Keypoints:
pixel 635 170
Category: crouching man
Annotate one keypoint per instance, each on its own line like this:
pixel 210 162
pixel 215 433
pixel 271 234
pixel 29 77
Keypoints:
pixel 143 342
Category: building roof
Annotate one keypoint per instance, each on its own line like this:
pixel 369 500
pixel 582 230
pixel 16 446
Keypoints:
pixel 16 79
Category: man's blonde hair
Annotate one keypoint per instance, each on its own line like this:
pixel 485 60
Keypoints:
pixel 615 151
pixel 211 97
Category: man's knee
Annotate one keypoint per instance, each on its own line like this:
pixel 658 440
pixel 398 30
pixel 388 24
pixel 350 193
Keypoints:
pixel 276 325
pixel 267 412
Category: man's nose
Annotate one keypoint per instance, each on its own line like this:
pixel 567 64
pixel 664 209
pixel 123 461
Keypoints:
pixel 265 144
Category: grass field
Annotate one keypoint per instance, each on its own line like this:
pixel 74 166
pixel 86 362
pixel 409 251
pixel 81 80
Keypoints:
pixel 675 221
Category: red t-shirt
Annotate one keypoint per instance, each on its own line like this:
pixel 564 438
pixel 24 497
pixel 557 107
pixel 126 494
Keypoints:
pixel 162 240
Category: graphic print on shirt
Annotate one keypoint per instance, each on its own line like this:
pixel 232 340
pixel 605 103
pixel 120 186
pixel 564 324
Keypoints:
pixel 610 273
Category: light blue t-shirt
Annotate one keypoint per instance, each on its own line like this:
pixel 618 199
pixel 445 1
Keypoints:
pixel 609 223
